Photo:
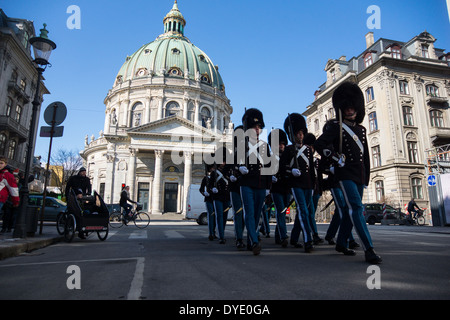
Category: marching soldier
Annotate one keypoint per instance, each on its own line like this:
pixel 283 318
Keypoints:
pixel 317 191
pixel 218 188
pixel 280 189
pixel 253 181
pixel 344 141
pixel 235 194
pixel 297 162
pixel 208 201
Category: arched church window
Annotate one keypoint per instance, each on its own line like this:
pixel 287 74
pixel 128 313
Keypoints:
pixel 191 112
pixel 205 115
pixel 136 114
pixel 172 109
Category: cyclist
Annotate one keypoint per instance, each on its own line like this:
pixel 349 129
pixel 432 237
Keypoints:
pixel 124 198
pixel 412 205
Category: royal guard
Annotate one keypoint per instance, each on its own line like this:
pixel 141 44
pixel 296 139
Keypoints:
pixel 208 201
pixel 279 190
pixel 344 141
pixel 253 181
pixel 297 163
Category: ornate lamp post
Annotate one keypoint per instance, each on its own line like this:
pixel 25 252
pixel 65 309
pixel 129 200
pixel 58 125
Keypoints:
pixel 42 47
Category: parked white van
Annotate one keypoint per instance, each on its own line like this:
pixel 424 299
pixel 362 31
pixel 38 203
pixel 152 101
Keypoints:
pixel 196 208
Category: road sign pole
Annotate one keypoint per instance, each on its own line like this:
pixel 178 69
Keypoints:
pixel 47 170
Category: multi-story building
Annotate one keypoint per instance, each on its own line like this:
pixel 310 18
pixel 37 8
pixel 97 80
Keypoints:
pixel 165 110
pixel 407 88
pixel 18 80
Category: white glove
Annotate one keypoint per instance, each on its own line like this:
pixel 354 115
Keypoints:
pixel 206 194
pixel 296 172
pixel 233 178
pixel 274 179
pixel 214 190
pixel 243 170
pixel 332 170
pixel 341 161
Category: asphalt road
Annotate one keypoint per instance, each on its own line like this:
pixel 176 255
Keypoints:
pixel 173 260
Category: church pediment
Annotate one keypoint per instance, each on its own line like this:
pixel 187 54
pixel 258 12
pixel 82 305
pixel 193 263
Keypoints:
pixel 171 126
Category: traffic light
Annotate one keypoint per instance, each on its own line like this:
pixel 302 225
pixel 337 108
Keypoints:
pixel 123 186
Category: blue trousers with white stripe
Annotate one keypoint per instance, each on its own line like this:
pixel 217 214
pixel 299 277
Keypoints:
pixel 281 201
pixel 353 216
pixel 252 202
pixel 302 198
pixel 238 217
pixel 339 204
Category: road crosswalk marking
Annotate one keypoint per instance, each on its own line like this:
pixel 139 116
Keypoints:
pixel 138 234
pixel 173 234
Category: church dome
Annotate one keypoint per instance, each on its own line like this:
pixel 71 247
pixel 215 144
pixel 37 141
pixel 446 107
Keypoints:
pixel 171 55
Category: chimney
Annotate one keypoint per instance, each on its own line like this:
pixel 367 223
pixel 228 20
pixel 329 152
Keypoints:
pixel 369 39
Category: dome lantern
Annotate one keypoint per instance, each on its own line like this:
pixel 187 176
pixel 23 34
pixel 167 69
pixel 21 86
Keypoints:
pixel 174 22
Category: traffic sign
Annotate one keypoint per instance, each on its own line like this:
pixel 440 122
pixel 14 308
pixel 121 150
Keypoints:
pixel 46 132
pixel 55 113
pixel 431 180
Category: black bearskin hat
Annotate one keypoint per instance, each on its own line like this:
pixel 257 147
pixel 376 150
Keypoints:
pixel 252 117
pixel 298 123
pixel 309 139
pixel 282 137
pixel 349 94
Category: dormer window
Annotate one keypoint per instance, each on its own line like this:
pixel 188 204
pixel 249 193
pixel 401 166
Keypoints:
pixel 174 71
pixel 368 59
pixel 175 51
pixel 396 52
pixel 425 53
pixel 205 78
pixel 147 51
pixel 202 58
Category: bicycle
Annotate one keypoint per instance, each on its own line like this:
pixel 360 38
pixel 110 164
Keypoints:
pixel 141 219
pixel 419 219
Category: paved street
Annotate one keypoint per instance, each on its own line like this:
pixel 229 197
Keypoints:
pixel 174 260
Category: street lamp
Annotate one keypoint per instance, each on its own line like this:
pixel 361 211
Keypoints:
pixel 42 47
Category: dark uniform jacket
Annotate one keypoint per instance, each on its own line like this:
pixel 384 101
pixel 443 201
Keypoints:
pixel 254 163
pixel 287 163
pixel 282 184
pixel 219 181
pixel 357 161
pixel 203 188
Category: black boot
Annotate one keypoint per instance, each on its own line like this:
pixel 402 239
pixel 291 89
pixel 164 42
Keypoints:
pixel 345 251
pixel 372 257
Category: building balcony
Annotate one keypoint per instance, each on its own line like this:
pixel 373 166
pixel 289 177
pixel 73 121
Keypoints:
pixel 18 91
pixel 16 129
pixel 439 135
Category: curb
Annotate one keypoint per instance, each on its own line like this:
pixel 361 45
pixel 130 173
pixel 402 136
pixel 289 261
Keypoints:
pixel 8 250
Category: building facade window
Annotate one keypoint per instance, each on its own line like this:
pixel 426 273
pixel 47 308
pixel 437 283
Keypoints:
pixel 373 124
pixel 416 188
pixel 136 114
pixel 412 152
pixel 425 53
pixel 2 143
pixel 407 116
pixel 379 190
pixel 331 113
pixel 396 52
pixel 316 125
pixel 404 89
pixel 18 114
pixel 369 94
pixel 172 109
pixel 368 59
pixel 11 149
pixel 436 118
pixel 9 104
pixel 376 156
pixel 432 90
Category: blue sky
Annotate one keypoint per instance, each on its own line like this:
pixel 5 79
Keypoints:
pixel 271 54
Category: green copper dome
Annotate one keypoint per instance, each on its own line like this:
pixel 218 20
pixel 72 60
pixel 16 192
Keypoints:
pixel 171 55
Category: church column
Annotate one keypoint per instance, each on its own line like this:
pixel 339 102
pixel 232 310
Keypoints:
pixel 156 194
pixel 196 111
pixel 160 108
pixel 187 177
pixel 185 107
pixel 131 174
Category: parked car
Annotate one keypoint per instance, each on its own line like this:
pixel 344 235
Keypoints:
pixel 114 207
pixel 53 206
pixel 373 212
